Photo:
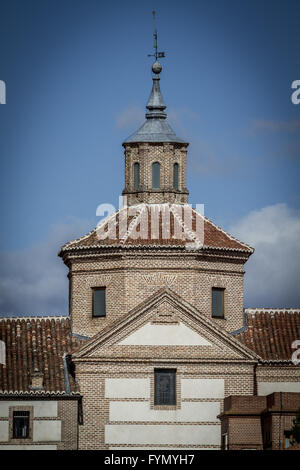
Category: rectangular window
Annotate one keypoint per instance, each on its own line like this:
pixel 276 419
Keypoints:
pixel 20 424
pixel 175 176
pixel 99 307
pixel 165 387
pixel 217 302
pixel 156 175
pixel 136 176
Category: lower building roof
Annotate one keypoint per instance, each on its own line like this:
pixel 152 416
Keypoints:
pixel 271 332
pixel 37 345
pixel 42 344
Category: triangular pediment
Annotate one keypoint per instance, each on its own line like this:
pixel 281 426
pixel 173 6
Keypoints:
pixel 170 334
pixel 165 322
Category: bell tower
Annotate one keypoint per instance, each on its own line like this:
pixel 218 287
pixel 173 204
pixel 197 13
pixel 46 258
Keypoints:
pixel 155 158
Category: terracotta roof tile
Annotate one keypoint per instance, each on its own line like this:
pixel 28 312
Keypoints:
pixel 270 333
pixel 158 225
pixel 35 344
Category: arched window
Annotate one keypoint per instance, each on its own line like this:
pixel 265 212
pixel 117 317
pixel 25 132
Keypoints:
pixel 136 176
pixel 175 175
pixel 155 175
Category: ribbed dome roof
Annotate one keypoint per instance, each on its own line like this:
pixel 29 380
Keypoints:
pixel 158 225
pixel 154 130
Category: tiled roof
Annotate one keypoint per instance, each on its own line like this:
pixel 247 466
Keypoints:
pixel 271 332
pixel 36 344
pixel 158 225
pixel 39 344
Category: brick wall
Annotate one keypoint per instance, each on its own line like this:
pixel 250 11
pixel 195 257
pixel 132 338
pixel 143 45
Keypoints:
pixel 131 279
pixel 53 424
pixel 245 433
pixel 96 404
pixel 259 422
pixel 68 412
pixel 146 154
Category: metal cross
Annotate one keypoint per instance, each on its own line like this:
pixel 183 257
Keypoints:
pixel 156 53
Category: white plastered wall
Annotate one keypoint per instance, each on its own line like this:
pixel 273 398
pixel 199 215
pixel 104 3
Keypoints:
pixel 195 408
pixel 265 388
pixel 177 334
pixel 43 430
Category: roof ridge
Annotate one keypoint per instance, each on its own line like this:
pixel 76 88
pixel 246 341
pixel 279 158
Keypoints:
pixel 187 231
pixel 225 232
pixel 133 223
pixel 141 208
pixel 78 239
pixel 35 317
pixel 154 246
pixel 38 392
pixel 271 311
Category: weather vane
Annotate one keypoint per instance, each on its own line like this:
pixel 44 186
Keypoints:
pixel 156 54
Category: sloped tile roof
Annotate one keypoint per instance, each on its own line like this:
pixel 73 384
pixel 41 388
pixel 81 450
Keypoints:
pixel 35 344
pixel 39 343
pixel 160 225
pixel 271 332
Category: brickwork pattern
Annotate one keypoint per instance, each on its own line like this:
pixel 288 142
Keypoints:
pixel 133 279
pixel 278 373
pixel 245 433
pixel 92 375
pixel 67 413
pixel 146 154
pixel 259 422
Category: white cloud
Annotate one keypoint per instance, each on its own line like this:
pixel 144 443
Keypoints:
pixel 273 271
pixel 34 281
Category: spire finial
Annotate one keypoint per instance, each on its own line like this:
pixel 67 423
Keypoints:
pixel 156 67
pixel 155 128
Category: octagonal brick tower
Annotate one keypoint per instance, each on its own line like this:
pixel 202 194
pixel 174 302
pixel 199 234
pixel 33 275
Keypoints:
pixel 155 158
pixel 151 245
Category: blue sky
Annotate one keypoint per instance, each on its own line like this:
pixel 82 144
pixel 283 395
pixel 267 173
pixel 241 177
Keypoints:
pixel 78 77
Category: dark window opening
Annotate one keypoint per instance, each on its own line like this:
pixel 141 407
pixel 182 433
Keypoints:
pixel 70 366
pixel 20 424
pixel 217 302
pixel 80 412
pixel 155 175
pixel 165 387
pixel 175 176
pixel 136 176
pixel 99 304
